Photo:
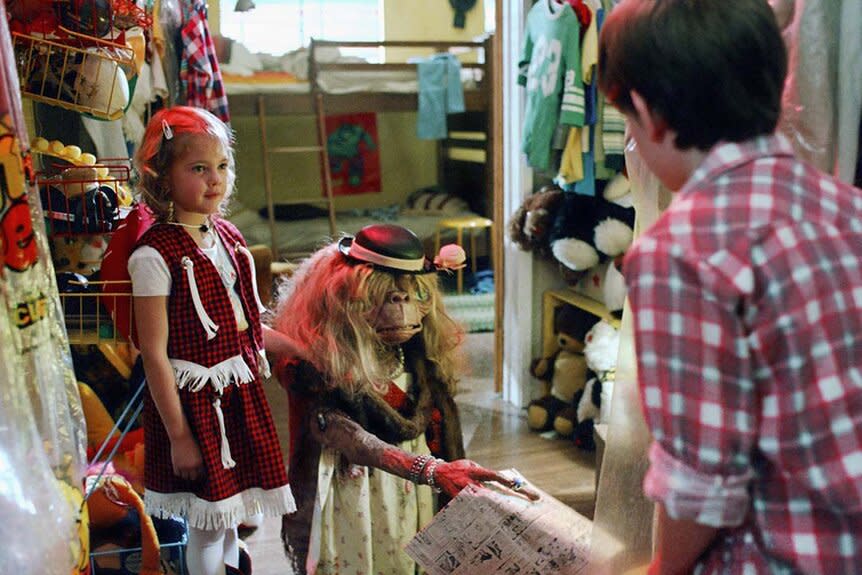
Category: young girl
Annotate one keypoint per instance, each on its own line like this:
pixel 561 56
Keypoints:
pixel 212 451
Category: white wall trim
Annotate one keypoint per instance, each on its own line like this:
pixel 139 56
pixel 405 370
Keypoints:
pixel 518 271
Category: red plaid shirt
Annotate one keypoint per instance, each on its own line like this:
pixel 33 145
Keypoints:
pixel 200 75
pixel 747 301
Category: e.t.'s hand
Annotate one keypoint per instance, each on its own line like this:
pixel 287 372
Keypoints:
pixel 452 477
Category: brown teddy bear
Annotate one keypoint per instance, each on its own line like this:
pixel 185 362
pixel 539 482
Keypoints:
pixel 531 223
pixel 565 371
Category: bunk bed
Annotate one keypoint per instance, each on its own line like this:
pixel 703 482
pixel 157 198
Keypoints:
pixel 350 86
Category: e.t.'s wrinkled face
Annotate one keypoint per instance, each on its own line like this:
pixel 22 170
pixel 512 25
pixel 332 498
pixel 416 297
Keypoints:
pixel 400 316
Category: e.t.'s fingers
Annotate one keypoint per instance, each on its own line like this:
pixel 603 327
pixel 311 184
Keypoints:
pixel 518 484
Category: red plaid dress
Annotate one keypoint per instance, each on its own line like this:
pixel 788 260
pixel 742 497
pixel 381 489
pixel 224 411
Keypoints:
pixel 217 379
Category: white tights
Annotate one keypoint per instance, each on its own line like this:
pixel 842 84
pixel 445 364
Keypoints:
pixel 208 551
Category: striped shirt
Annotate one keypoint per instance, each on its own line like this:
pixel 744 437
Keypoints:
pixel 747 301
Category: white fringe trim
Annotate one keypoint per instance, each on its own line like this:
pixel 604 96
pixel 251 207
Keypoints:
pixel 208 324
pixel 224 514
pixel 250 258
pixel 195 376
pixel 263 365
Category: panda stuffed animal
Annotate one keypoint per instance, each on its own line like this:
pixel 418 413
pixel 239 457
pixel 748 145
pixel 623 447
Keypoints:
pixel 601 346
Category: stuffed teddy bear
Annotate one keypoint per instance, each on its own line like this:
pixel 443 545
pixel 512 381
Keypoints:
pixel 601 346
pixel 565 371
pixel 592 229
pixel 531 223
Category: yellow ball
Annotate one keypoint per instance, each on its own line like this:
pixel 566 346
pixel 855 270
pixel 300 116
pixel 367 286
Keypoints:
pixel 87 159
pixel 72 152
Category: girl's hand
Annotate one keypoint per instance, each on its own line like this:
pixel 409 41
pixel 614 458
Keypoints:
pixel 454 476
pixel 186 458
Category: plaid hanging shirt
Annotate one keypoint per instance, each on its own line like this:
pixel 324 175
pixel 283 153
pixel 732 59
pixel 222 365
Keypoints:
pixel 200 75
pixel 747 305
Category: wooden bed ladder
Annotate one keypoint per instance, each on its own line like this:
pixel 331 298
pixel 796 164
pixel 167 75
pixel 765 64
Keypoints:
pixel 323 155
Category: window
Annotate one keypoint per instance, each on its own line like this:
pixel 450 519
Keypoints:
pixel 280 26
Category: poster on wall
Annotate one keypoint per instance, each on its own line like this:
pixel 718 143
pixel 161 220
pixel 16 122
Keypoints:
pixel 354 153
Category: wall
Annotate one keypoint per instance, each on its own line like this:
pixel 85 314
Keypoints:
pixel 417 20
pixel 407 163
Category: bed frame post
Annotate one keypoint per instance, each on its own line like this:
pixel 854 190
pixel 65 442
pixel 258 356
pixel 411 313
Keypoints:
pixel 267 174
pixel 320 115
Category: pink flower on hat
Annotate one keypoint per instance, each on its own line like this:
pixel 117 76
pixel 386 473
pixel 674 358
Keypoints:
pixel 451 257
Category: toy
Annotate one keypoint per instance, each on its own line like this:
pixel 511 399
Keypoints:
pixel 531 223
pixel 600 348
pixel 591 229
pixel 375 391
pixel 565 371
pixel 110 499
pixel 604 283
pixel 128 459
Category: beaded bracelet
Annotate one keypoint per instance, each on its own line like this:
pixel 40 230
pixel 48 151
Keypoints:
pixel 417 467
pixel 430 474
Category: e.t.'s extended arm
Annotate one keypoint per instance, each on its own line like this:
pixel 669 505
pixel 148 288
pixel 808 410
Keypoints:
pixel 333 429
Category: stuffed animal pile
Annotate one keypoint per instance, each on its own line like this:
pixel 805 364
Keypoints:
pixel 564 372
pixel 580 375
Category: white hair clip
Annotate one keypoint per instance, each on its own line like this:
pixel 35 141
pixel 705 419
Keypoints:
pixel 166 129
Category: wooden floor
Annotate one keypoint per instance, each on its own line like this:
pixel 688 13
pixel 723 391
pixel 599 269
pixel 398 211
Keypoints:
pixel 496 436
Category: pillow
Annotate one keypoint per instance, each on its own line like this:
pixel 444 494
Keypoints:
pixel 382 213
pixel 239 61
pixel 433 201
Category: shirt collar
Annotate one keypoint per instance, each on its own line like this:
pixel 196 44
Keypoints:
pixel 726 156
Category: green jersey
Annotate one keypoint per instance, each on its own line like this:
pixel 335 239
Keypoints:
pixel 550 68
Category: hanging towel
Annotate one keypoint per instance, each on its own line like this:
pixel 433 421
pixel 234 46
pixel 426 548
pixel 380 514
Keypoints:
pixel 440 93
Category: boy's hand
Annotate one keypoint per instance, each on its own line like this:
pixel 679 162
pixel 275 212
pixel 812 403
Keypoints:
pixel 186 458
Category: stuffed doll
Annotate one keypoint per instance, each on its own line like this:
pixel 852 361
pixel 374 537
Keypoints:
pixel 565 371
pixel 592 229
pixel 600 348
pixel 531 223
pixel 373 422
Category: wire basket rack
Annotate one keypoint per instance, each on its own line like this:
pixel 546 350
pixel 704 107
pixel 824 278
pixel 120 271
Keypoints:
pixel 77 72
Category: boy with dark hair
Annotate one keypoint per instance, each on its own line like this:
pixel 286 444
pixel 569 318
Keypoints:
pixel 746 297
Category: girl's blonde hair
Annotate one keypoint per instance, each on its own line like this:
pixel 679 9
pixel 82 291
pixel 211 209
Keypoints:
pixel 164 140
pixel 326 305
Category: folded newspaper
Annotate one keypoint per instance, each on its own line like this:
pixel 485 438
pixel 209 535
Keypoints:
pixel 493 530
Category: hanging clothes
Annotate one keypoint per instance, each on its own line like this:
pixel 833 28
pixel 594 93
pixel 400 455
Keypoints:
pixel 200 76
pixel 440 93
pixel 550 68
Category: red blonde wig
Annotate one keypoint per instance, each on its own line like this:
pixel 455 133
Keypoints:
pixel 325 308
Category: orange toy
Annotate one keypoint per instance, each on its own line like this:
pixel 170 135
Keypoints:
pixel 129 459
pixel 110 502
